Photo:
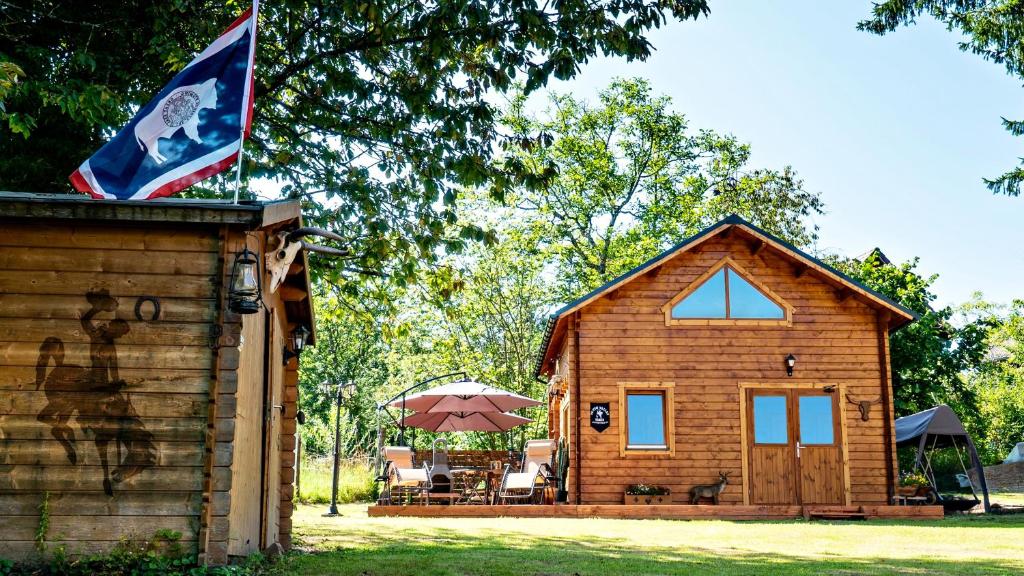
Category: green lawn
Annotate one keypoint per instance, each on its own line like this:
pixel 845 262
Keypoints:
pixel 356 544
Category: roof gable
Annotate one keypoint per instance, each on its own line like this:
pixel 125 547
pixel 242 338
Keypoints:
pixel 900 315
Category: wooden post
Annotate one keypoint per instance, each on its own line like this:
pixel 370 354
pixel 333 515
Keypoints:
pixel 888 406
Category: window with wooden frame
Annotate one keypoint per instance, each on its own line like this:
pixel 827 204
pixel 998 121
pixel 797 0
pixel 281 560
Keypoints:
pixel 647 413
pixel 727 294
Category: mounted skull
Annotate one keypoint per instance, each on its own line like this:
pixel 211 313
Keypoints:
pixel 287 245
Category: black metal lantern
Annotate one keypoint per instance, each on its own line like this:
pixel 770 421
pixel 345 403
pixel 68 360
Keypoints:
pixel 790 363
pixel 297 339
pixel 244 290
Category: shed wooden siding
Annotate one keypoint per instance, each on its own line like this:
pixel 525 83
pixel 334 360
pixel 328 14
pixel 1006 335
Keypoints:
pixel 623 338
pixel 45 272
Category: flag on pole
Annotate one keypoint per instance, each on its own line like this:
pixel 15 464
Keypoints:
pixel 190 131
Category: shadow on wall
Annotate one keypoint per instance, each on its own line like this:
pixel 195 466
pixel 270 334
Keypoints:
pixel 95 393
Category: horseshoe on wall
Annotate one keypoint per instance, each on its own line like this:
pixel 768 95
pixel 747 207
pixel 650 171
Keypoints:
pixel 156 308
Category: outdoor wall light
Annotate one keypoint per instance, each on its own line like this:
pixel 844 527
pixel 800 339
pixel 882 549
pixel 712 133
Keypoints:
pixel 298 341
pixel 244 289
pixel 790 363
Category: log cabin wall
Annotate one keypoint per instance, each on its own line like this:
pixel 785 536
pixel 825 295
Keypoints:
pixel 162 393
pixel 623 338
pixel 83 379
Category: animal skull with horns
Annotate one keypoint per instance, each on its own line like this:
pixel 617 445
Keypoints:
pixel 288 244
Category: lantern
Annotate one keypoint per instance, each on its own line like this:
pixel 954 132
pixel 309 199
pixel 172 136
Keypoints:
pixel 244 290
pixel 298 341
pixel 790 363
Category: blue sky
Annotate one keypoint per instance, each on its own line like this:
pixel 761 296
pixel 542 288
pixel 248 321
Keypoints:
pixel 895 132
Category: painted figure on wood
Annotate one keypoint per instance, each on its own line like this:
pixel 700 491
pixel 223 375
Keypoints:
pixel 104 412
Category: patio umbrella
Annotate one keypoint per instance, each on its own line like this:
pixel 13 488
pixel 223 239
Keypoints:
pixel 464 421
pixel 464 397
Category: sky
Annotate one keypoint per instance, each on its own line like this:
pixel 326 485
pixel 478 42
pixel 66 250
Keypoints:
pixel 895 132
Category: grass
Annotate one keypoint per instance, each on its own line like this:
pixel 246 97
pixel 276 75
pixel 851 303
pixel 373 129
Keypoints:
pixel 1007 498
pixel 358 545
pixel 355 482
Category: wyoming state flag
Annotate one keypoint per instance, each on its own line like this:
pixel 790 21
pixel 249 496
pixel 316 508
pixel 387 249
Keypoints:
pixel 191 130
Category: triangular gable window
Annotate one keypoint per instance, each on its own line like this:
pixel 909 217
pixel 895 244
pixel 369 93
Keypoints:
pixel 725 293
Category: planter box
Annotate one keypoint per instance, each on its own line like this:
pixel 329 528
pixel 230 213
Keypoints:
pixel 648 499
pixel 912 491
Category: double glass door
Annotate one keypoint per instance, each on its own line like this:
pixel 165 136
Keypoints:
pixel 794 441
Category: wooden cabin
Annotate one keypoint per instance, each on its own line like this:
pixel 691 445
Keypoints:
pixel 731 353
pixel 132 398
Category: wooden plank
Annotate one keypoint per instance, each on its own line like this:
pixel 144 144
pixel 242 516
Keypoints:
pixel 26 550
pixel 26 427
pixel 156 357
pixel 107 261
pixel 90 479
pixel 135 379
pixel 119 285
pixel 98 404
pixel 244 517
pixel 71 307
pixel 669 511
pixel 178 238
pixel 51 453
pixel 99 504
pixel 160 333
pixel 100 528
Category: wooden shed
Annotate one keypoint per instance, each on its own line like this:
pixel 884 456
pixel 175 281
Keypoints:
pixel 732 353
pixel 132 398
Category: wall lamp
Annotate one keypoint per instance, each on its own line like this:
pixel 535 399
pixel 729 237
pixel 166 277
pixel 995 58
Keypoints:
pixel 790 363
pixel 298 341
pixel 244 289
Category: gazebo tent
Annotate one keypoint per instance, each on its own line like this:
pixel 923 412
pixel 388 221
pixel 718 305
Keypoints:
pixel 938 427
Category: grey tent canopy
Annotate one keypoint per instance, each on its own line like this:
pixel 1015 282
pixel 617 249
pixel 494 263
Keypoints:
pixel 938 427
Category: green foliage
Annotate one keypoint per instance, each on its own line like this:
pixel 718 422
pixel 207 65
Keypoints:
pixel 997 381
pixel 929 355
pixel 627 179
pixel 646 490
pixel 992 29
pixel 913 479
pixel 44 523
pixel 160 555
pixel 376 113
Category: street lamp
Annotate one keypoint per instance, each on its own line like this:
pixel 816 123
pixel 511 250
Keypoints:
pixel 345 391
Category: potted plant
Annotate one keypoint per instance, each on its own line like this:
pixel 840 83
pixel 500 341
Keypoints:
pixel 647 494
pixel 913 484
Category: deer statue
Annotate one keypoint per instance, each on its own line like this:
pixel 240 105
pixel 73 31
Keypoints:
pixel 709 490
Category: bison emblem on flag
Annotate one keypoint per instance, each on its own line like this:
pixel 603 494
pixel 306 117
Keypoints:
pixel 192 129
pixel 179 110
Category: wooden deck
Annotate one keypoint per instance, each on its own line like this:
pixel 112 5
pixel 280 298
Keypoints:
pixel 667 512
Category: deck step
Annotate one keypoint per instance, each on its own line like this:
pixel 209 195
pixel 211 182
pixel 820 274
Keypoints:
pixel 835 514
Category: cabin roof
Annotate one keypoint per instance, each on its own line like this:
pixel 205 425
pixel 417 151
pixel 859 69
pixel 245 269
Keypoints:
pixel 556 325
pixel 255 214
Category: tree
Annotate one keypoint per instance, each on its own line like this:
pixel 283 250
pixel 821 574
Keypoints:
pixel 929 355
pixel 994 30
pixel 624 179
pixel 997 380
pixel 374 112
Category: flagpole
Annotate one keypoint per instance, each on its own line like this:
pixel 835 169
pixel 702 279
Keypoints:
pixel 245 101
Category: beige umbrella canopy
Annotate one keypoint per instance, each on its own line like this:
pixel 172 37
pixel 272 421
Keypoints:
pixel 464 421
pixel 466 396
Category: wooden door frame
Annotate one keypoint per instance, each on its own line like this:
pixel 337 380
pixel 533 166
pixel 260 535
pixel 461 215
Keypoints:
pixel 840 393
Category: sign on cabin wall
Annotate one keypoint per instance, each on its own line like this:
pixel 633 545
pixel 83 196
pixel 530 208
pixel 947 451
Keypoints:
pixel 600 416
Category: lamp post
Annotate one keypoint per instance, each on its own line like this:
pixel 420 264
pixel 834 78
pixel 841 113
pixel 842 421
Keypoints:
pixel 344 393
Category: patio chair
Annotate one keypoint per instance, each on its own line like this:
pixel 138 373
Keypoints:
pixel 401 479
pixel 535 473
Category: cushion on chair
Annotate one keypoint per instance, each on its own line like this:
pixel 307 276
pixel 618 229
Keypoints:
pixel 520 480
pixel 400 456
pixel 410 476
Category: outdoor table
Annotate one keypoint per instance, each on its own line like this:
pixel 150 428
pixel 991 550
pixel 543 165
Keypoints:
pixel 469 479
